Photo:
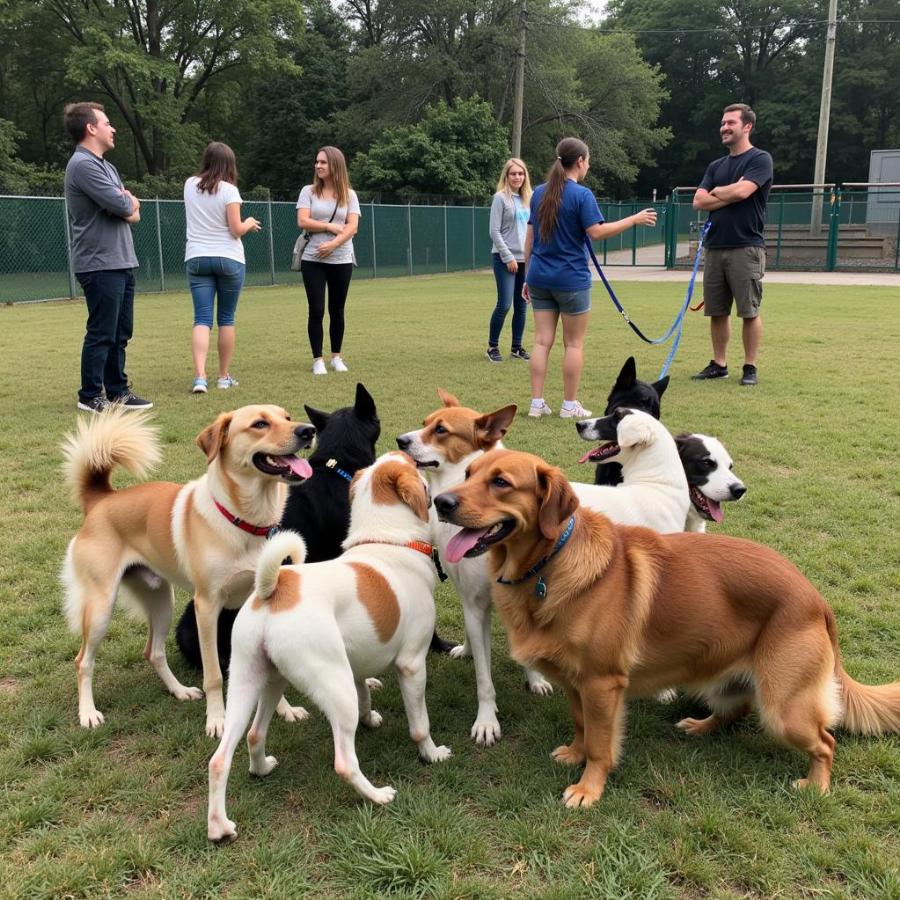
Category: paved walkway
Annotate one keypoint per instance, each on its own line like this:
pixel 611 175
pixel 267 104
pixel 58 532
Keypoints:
pixel 618 267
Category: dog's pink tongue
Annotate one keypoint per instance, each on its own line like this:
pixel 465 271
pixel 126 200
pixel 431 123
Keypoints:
pixel 587 457
pixel 462 542
pixel 299 466
pixel 715 510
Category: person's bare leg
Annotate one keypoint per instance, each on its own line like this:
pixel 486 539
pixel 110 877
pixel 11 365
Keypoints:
pixel 226 349
pixel 544 335
pixel 574 329
pixel 720 332
pixel 752 335
pixel 200 349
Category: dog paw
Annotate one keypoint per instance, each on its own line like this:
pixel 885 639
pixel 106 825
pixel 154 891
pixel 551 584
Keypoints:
pixel 91 718
pixel 372 720
pixel 374 684
pixel 260 770
pixel 187 693
pixel 460 651
pixel 382 795
pixel 539 685
pixel 577 795
pixel 670 695
pixel 486 733
pixel 439 754
pixel 221 831
pixel 215 725
pixel 802 784
pixel 697 726
pixel 291 713
pixel 565 755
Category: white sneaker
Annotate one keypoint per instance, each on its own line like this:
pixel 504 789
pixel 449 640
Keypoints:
pixel 537 411
pixel 226 382
pixel 338 364
pixel 319 367
pixel 576 412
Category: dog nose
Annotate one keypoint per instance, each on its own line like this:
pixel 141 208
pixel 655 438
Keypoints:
pixel 581 427
pixel 305 434
pixel 738 491
pixel 446 504
pixel 403 441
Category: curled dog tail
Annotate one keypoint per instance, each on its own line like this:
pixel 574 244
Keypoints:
pixel 868 709
pixel 277 549
pixel 115 438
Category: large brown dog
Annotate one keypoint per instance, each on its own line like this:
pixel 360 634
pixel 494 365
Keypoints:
pixel 203 536
pixel 615 611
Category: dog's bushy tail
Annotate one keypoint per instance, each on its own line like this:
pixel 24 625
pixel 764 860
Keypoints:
pixel 283 545
pixel 115 438
pixel 868 709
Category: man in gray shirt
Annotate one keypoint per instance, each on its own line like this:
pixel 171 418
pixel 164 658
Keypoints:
pixel 101 212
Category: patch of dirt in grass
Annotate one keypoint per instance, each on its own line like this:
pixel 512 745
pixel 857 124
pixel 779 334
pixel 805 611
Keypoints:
pixel 9 686
pixel 655 801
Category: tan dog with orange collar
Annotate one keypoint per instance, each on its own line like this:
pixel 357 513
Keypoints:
pixel 327 626
pixel 148 537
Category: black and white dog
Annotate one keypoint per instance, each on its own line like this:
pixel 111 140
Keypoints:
pixel 318 509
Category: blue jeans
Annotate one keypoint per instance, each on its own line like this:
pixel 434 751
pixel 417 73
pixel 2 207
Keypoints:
pixel 212 275
pixel 509 293
pixel 109 295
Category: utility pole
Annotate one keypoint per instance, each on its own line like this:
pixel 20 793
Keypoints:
pixel 824 115
pixel 520 82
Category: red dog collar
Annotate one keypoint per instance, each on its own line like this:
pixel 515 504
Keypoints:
pixel 258 530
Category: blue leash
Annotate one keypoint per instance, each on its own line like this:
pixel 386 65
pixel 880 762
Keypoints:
pixel 678 323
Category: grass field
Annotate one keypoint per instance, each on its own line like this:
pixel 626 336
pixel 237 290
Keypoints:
pixel 121 811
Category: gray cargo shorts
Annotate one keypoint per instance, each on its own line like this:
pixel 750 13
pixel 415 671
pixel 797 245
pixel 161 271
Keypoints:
pixel 733 274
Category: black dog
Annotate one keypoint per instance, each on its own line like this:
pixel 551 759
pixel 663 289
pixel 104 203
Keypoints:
pixel 629 391
pixel 319 508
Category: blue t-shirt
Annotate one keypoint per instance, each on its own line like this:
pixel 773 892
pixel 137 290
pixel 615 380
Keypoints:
pixel 561 264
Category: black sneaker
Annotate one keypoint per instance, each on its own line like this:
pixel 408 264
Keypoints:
pixel 130 400
pixel 493 354
pixel 713 370
pixel 748 379
pixel 94 405
pixel 519 353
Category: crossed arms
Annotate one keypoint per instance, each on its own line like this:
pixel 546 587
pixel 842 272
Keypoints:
pixel 724 194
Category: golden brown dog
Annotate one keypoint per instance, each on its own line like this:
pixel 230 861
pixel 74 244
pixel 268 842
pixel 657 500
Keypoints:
pixel 204 536
pixel 614 611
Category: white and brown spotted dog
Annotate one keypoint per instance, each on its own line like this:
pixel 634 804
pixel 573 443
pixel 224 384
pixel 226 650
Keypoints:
pixel 327 626
pixel 204 536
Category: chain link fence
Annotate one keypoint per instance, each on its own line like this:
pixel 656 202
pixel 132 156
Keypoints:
pixel 391 241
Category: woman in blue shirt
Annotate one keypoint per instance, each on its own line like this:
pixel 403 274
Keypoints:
pixel 558 281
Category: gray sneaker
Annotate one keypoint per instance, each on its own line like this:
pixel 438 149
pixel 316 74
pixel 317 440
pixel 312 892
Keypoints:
pixel 94 405
pixel 749 378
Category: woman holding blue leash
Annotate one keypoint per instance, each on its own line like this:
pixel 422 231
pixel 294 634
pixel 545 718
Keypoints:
pixel 509 221
pixel 564 214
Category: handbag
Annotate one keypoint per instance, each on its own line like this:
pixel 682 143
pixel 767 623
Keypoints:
pixel 301 242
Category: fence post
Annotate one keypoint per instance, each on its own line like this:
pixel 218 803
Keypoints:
pixel 162 268
pixel 68 249
pixel 374 244
pixel 271 236
pixel 780 228
pixel 446 257
pixel 833 229
pixel 473 236
pixel 409 235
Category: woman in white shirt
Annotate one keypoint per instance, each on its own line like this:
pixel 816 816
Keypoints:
pixel 328 211
pixel 214 257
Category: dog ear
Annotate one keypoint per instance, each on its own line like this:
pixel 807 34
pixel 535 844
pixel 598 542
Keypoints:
pixel 412 491
pixel 317 417
pixel 627 377
pixel 212 439
pixel 635 428
pixel 557 499
pixel 491 427
pixel 364 405
pixel 447 398
pixel 660 386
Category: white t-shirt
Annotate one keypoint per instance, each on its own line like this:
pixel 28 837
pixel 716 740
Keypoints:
pixel 321 209
pixel 207 224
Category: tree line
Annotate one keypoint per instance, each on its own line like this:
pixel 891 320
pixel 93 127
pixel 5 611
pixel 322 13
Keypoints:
pixel 419 93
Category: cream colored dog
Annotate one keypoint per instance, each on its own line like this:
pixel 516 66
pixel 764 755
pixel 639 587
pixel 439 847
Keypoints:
pixel 325 627
pixel 149 537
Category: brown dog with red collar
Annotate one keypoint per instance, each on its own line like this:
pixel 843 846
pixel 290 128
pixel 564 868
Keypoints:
pixel 204 536
pixel 612 612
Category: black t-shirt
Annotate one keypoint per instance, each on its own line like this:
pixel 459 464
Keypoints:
pixel 739 224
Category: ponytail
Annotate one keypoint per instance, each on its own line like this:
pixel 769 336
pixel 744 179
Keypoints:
pixel 568 152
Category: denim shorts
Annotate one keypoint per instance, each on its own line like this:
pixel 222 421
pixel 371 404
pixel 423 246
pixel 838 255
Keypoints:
pixel 214 278
pixel 569 303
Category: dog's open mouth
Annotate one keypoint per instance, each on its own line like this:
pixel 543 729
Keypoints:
pixel 601 453
pixel 474 541
pixel 290 467
pixel 709 509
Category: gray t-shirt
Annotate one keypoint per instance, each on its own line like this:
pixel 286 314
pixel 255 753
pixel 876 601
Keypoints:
pixel 321 209
pixel 101 238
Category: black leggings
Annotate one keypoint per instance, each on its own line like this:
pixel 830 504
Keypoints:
pixel 316 277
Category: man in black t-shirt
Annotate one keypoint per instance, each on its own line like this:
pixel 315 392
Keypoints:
pixel 734 191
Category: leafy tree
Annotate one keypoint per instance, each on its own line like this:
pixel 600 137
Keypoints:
pixel 456 150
